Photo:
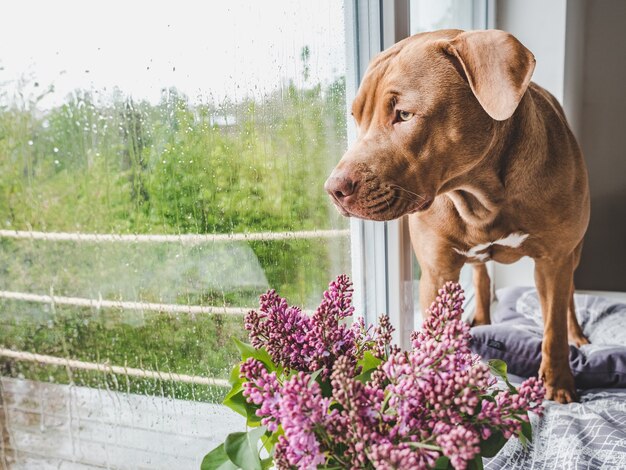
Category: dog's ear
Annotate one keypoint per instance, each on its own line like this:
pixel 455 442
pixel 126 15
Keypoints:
pixel 498 68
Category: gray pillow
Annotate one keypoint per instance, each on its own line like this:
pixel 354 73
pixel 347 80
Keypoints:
pixel 517 330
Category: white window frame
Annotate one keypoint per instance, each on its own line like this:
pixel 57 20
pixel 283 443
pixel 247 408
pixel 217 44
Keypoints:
pixel 381 251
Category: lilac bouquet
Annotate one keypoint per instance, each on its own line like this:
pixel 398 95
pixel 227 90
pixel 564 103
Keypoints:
pixel 318 393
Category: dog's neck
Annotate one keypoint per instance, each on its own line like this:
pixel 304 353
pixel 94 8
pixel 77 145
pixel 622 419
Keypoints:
pixel 479 193
pixel 474 205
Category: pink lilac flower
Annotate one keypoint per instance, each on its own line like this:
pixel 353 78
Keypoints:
pixel 304 343
pixel 383 347
pixel 262 388
pixel 417 405
pixel 402 456
pixel 282 330
pixel 356 423
pixel 459 443
pixel 329 336
pixel 302 409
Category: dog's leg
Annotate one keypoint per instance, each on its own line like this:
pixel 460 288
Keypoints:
pixel 438 263
pixel 433 279
pixel 574 331
pixel 554 279
pixel 482 287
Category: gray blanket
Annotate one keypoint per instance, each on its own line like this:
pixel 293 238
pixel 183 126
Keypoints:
pixel 588 435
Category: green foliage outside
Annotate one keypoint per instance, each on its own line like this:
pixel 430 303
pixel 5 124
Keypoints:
pixel 176 167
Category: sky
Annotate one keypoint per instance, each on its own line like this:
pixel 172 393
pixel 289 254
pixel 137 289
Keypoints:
pixel 207 49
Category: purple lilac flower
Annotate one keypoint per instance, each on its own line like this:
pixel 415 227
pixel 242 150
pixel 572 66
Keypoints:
pixel 302 409
pixel 262 388
pixel 281 461
pixel 417 405
pixel 329 337
pixel 459 443
pixel 402 456
pixel 383 347
pixel 282 330
pixel 435 389
pixel 304 343
pixel 509 407
pixel 356 423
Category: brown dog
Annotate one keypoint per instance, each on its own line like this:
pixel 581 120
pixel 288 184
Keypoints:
pixel 452 132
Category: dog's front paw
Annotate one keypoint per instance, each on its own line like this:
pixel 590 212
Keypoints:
pixel 480 321
pixel 481 317
pixel 576 336
pixel 559 383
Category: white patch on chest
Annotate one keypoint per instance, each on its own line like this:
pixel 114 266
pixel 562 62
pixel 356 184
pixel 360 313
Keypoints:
pixel 513 240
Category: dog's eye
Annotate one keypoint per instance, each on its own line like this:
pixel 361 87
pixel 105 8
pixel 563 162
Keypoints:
pixel 404 115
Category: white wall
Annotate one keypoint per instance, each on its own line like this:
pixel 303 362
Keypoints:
pixel 540 26
pixel 573 80
pixel 603 136
pixel 579 46
pixel 429 15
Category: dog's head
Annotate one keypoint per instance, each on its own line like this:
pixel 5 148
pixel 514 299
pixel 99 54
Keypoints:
pixel 425 111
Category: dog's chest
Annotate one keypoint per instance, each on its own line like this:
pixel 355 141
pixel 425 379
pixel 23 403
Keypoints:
pixel 504 249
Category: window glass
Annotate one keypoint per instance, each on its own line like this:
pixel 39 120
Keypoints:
pixel 161 165
pixel 430 15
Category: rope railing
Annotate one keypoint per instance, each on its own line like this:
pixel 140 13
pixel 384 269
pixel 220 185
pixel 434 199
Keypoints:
pixel 143 238
pixel 26 356
pixel 122 305
pixel 134 305
pixel 186 238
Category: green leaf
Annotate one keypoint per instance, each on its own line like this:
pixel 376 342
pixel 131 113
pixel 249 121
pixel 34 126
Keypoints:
pixel 234 375
pixel 242 448
pixel 267 463
pixel 315 375
pixel 271 439
pixel 247 350
pixel 365 377
pixel 252 420
pixel 491 446
pixel 442 463
pixel 237 402
pixel 235 388
pixel 327 389
pixel 368 363
pixel 217 459
pixel 476 464
pixel 499 369
pixel 526 434
pixel 523 440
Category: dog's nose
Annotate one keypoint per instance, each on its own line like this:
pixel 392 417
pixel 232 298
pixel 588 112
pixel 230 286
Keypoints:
pixel 340 186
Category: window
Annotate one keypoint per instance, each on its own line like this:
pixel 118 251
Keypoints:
pixel 383 259
pixel 161 165
pixel 448 14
